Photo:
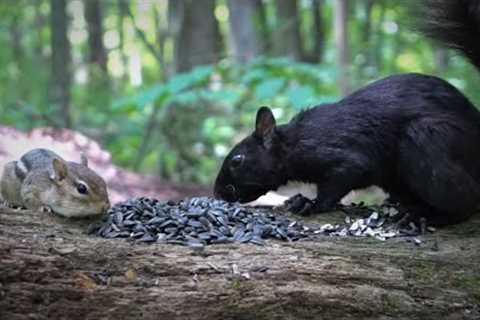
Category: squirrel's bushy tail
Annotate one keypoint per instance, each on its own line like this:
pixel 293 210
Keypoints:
pixel 455 24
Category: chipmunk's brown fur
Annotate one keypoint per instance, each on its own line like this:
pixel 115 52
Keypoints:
pixel 43 180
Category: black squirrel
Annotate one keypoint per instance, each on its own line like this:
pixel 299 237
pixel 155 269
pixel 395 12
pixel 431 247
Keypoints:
pixel 414 135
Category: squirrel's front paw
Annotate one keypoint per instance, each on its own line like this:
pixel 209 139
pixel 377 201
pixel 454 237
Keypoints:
pixel 299 204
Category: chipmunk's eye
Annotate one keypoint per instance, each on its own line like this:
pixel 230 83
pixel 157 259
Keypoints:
pixel 237 160
pixel 82 188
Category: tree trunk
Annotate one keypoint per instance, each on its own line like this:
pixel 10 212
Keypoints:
pixel 242 29
pixel 441 59
pixel 93 17
pixel 315 56
pixel 61 60
pixel 161 37
pixel 198 39
pixel 122 14
pixel 287 37
pixel 341 42
pixel 366 33
pixel 39 22
pixel 264 35
pixel 16 36
pixel 377 47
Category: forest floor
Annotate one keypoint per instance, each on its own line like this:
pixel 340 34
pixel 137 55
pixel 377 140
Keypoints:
pixel 51 269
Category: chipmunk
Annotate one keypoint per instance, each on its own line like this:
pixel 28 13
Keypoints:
pixel 42 180
pixel 416 136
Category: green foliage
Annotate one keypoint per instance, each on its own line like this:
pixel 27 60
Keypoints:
pixel 197 116
pixel 203 112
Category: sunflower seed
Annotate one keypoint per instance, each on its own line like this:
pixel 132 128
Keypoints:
pixel 202 221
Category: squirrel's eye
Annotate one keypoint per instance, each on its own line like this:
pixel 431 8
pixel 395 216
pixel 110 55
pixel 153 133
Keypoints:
pixel 237 160
pixel 82 188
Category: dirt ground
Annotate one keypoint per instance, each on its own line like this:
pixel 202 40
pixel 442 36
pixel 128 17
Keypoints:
pixel 51 269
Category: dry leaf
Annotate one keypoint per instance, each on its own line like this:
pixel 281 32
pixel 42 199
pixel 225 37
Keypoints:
pixel 131 275
pixel 83 281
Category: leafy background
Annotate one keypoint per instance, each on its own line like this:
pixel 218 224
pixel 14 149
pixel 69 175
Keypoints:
pixel 179 125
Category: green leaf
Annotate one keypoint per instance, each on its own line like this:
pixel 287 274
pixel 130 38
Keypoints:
pixel 269 89
pixel 186 80
pixel 253 76
pixel 144 97
pixel 301 96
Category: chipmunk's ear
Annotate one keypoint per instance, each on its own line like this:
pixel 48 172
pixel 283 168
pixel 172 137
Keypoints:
pixel 83 159
pixel 59 170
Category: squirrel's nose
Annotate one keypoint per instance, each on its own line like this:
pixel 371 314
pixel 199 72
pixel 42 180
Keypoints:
pixel 230 188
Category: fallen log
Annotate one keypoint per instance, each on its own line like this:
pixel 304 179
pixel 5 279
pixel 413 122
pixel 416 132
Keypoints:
pixel 51 269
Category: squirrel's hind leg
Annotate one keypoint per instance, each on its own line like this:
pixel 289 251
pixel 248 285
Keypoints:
pixel 440 181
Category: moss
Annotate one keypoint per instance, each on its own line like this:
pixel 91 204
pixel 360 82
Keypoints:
pixel 392 304
pixel 476 298
pixel 442 275
pixel 241 286
pixel 469 282
pixel 236 284
pixel 422 271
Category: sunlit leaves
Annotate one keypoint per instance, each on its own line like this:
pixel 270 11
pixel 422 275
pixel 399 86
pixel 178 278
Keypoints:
pixel 222 99
pixel 269 88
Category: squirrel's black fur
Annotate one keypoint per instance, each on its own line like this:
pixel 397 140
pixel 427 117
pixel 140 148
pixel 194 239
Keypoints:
pixel 414 135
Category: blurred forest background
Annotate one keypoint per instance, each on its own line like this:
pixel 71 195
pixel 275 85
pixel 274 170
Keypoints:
pixel 169 86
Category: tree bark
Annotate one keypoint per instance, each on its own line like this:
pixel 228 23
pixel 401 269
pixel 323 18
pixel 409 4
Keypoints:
pixel 264 32
pixel 51 269
pixel 318 29
pixel 341 43
pixel 377 47
pixel 61 60
pixel 39 22
pixel 366 33
pixel 161 35
pixel 318 33
pixel 441 59
pixel 287 37
pixel 242 29
pixel 197 38
pixel 93 17
pixel 16 36
pixel 122 14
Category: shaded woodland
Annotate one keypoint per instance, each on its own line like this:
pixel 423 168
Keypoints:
pixel 155 93
pixel 168 86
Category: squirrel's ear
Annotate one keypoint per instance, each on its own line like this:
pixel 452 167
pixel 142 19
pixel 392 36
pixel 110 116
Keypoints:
pixel 59 171
pixel 265 123
pixel 83 159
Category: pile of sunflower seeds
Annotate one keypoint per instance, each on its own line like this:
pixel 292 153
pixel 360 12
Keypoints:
pixel 196 222
pixel 201 221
